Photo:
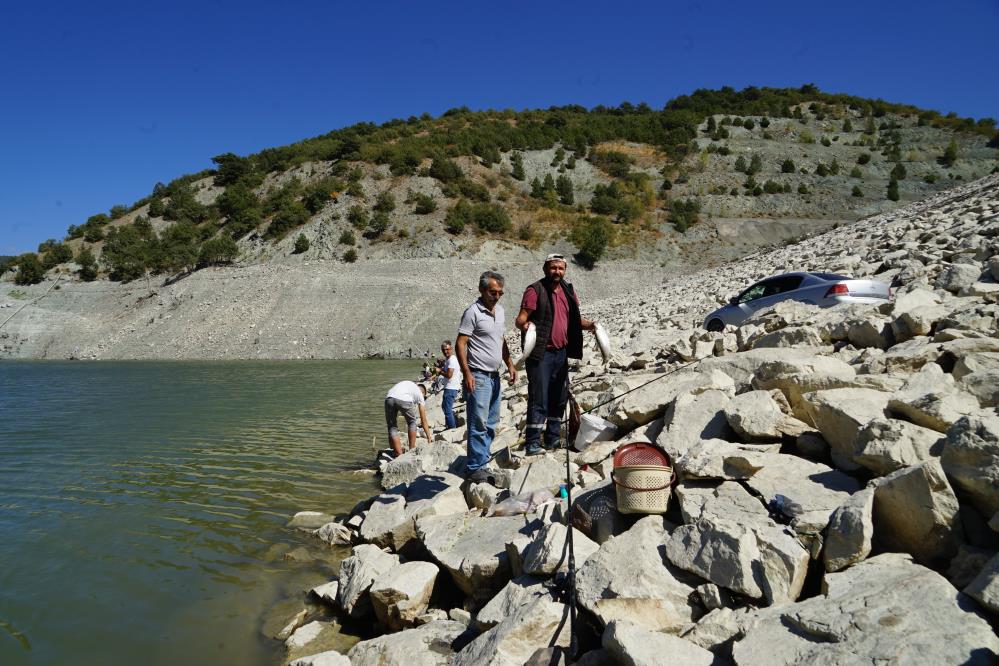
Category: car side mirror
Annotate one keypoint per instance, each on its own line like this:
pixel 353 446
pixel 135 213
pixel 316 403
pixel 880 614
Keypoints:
pixel 734 300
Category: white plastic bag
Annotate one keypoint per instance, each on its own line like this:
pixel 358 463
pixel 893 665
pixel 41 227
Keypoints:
pixel 592 428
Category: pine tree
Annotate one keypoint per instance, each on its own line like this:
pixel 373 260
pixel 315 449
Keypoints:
pixel 740 164
pixel 563 185
pixel 517 162
pixel 893 190
pixel 950 154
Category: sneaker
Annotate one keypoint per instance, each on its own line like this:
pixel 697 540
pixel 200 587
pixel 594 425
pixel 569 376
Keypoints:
pixel 532 450
pixel 552 446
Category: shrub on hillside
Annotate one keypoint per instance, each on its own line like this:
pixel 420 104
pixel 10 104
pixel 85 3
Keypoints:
pixel 892 190
pixel 740 164
pixel 347 237
pixel 156 207
pixel 358 217
pixel 301 244
pixel 612 162
pixel 350 256
pixel 683 213
pixel 291 214
pixel 517 165
pixel 787 166
pixel 378 225
pixel 242 209
pixel 445 170
pixel 57 253
pixel 29 269
pixel 591 236
pixel 855 172
pixel 88 264
pixel 458 217
pixel 772 187
pixel 755 165
pixel 424 203
pixel 864 158
pixel 949 155
pixel 563 185
pixel 384 203
pixel 491 218
pixel 217 251
pixel 898 172
pixel 749 124
pixel 857 192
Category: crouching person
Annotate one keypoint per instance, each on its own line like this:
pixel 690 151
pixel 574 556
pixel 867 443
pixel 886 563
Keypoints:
pixel 409 399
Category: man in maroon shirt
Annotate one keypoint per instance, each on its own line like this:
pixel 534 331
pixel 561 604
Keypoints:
pixel 552 306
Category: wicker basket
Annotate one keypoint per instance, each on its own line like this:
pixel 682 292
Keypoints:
pixel 643 488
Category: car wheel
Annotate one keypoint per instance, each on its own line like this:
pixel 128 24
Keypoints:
pixel 716 325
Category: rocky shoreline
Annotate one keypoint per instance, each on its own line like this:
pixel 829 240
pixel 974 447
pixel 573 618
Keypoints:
pixel 837 497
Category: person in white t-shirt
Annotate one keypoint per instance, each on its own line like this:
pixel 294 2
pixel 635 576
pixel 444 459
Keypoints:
pixel 452 372
pixel 408 398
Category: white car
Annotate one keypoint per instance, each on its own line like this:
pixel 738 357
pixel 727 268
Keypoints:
pixel 822 289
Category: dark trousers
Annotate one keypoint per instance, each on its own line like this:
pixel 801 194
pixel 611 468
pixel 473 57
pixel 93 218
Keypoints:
pixel 547 393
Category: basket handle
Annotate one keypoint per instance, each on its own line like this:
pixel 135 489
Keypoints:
pixel 644 490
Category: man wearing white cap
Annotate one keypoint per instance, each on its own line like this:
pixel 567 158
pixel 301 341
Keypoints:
pixel 552 306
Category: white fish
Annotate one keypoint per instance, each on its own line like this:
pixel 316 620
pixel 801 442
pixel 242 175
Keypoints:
pixel 603 341
pixel 530 339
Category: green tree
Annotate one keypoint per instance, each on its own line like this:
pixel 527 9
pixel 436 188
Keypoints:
pixel 847 125
pixel 241 207
pixel 218 250
pixel 855 172
pixel 378 225
pixel 683 213
pixel 177 249
pixel 591 236
pixel 857 192
pixel 490 217
pixel 893 190
pixel 358 217
pixel 802 189
pixel 571 162
pixel 231 169
pixel 347 237
pixel 350 256
pixel 711 127
pixel 559 156
pixel 740 164
pixel 88 264
pixel 563 185
pixel 949 155
pixel 458 217
pixel 787 166
pixel 29 269
pixel 301 244
pixel 445 170
pixel 517 165
pixel 772 187
pixel 291 214
pixel 47 245
pixel 183 206
pixel 58 253
pixel 425 203
pixel 898 173
pixel 129 251
pixel 834 167
pixel 755 165
pixel 821 170
pixel 748 123
pixel 864 158
pixel 384 203
pixel 156 207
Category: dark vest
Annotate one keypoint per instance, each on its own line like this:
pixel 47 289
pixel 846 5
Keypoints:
pixel 544 316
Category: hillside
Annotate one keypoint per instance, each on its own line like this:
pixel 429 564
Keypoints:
pixel 332 232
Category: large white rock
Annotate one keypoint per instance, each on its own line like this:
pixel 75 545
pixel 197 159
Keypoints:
pixel 538 624
pixel 304 635
pixel 851 529
pixel 627 579
pixel 955 277
pixel 984 385
pixel 358 571
pixel 632 645
pixel 426 458
pixel 755 416
pixel 915 511
pixel 931 399
pixel 817 488
pixel 885 445
pixel 328 658
pixel 473 549
pixel 883 610
pixel 427 645
pixel 692 417
pixel 548 552
pixel 402 593
pixel 985 587
pixel 718 459
pixel 839 414
pixel 644 405
pixel 518 592
pixel 971 459
pixel 547 472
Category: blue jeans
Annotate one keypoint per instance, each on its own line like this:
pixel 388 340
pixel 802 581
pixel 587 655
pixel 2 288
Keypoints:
pixel 482 416
pixel 448 406
pixel 547 393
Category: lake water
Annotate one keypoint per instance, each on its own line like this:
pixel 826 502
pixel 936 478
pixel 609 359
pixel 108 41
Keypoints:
pixel 143 505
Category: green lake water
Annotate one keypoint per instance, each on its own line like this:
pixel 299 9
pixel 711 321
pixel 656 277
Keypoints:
pixel 143 505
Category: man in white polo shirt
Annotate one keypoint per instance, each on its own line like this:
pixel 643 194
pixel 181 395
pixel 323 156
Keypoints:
pixel 408 398
pixel 452 373
pixel 482 352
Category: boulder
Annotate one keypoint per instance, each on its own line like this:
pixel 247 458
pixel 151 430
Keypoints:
pixel 700 499
pixel 955 277
pixel 632 645
pixel 758 561
pixel 790 336
pixel 357 572
pixel 402 593
pixel 328 658
pixel 473 549
pixel 930 399
pixel 755 416
pixel 304 635
pixel 335 534
pixel 716 628
pixel 718 459
pixel 427 457
pixel 917 321
pixel 310 520
pixel 326 592
pixel 644 405
pixel 985 587
pixel 967 564
pixel 428 645
pixel 512 642
pixel 692 417
pixel 385 514
pixel 840 414
pixel 870 331
pixel 548 553
pixel 885 445
pixel 883 610
pixel 818 489
pixel 915 511
pixel 544 473
pixel 518 592
pixel 971 459
pixel 912 299
pixel 627 579
pixel 975 362
pixel 848 538
pixel 984 385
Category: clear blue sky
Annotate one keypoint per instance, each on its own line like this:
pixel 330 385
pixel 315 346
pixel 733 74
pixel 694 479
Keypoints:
pixel 100 100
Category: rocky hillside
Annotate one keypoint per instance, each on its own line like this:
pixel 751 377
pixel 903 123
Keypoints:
pixel 836 498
